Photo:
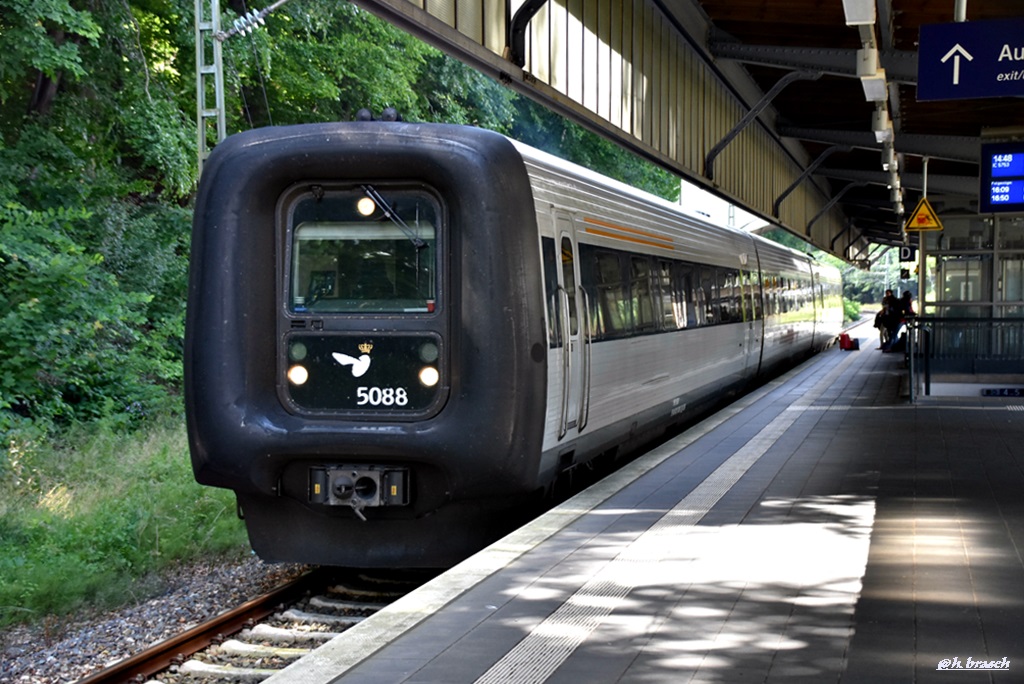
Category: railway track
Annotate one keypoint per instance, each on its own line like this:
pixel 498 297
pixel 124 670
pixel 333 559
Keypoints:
pixel 260 637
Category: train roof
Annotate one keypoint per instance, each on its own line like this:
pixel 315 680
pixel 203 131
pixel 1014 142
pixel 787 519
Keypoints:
pixel 769 250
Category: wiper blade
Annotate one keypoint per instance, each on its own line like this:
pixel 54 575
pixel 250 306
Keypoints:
pixel 395 218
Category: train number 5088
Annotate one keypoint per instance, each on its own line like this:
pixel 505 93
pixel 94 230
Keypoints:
pixel 381 396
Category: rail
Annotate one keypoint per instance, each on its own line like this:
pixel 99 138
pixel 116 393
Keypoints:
pixel 970 346
pixel 161 655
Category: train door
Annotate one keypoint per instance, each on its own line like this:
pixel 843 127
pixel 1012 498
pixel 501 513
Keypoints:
pixel 575 352
pixel 754 318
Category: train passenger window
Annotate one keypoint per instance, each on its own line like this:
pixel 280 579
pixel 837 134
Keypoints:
pixel 686 297
pixel 642 300
pixel 728 295
pixel 746 312
pixel 755 296
pixel 771 301
pixel 666 296
pixel 612 316
pixel 709 287
pixel 363 251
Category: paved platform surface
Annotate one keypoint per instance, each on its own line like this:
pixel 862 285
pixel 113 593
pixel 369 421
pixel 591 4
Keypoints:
pixel 822 529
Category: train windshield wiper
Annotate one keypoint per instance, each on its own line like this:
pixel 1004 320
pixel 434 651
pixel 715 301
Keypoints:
pixel 372 193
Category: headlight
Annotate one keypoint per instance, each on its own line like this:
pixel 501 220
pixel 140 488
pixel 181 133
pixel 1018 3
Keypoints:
pixel 298 375
pixel 429 376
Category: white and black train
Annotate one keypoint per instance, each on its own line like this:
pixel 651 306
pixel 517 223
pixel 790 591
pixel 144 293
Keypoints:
pixel 399 334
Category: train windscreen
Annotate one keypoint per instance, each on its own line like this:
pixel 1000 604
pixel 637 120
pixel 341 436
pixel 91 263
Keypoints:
pixel 364 251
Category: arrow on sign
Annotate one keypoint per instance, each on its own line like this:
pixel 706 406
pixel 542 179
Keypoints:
pixel 957 51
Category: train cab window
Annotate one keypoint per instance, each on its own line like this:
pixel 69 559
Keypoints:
pixel 363 251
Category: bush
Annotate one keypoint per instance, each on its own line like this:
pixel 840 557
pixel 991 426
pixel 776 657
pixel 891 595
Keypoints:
pixel 81 519
pixel 92 282
pixel 851 310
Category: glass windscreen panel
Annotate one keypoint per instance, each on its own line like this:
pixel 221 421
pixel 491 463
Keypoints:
pixel 360 254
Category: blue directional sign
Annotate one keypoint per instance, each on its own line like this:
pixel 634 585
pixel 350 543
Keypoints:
pixel 971 59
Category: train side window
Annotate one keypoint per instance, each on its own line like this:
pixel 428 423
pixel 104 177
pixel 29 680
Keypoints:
pixel 708 286
pixel 770 296
pixel 742 280
pixel 551 291
pixel 756 305
pixel 569 280
pixel 612 316
pixel 642 300
pixel 728 301
pixel 666 296
pixel 685 296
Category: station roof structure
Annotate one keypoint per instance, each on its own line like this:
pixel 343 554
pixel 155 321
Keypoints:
pixel 833 112
pixel 803 112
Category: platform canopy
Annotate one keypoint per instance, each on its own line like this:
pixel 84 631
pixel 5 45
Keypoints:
pixel 804 112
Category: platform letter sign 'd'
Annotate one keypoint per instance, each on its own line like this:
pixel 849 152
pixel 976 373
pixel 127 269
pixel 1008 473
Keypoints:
pixel 971 59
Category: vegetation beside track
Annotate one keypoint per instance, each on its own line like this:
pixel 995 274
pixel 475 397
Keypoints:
pixel 90 518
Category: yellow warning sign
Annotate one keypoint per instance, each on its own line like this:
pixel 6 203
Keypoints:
pixel 923 217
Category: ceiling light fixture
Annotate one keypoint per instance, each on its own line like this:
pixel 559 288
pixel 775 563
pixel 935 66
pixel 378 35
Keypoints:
pixel 862 15
pixel 888 157
pixel 859 12
pixel 875 87
pixel 881 124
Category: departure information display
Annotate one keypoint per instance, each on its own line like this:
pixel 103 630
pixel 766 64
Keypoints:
pixel 1002 178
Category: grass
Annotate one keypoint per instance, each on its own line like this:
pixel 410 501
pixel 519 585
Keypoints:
pixel 86 520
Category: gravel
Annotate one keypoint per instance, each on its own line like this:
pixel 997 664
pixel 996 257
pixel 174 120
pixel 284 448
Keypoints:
pixel 66 649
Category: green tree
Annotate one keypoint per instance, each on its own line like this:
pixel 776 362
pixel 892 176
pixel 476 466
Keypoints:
pixel 97 169
pixel 96 163
pixel 42 40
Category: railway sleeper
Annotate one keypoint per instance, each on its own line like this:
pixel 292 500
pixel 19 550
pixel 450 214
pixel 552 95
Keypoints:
pixel 197 668
pixel 283 635
pixel 375 593
pixel 240 648
pixel 324 602
pixel 321 618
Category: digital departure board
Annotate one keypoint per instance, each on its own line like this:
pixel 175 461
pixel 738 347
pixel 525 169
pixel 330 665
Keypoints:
pixel 1002 178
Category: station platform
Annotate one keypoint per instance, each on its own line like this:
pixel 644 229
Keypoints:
pixel 820 529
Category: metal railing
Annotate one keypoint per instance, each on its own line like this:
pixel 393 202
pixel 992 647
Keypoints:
pixel 969 346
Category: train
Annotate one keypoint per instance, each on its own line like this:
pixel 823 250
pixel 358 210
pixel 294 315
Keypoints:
pixel 400 336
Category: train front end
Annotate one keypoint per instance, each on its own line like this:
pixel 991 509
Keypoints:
pixel 365 340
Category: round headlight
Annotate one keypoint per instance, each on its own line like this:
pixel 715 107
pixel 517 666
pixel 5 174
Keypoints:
pixel 429 376
pixel 298 375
